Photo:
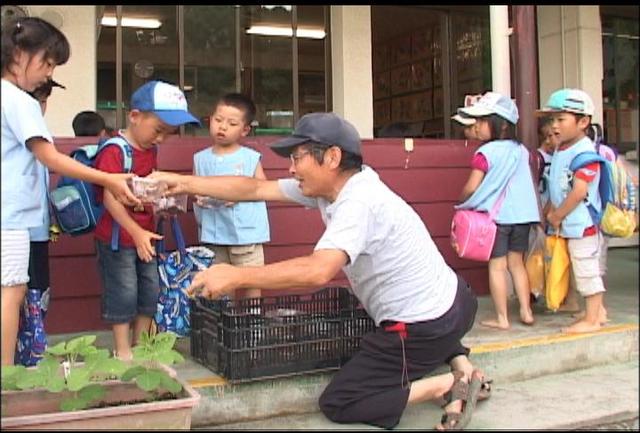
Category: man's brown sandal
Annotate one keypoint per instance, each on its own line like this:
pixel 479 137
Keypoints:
pixel 467 393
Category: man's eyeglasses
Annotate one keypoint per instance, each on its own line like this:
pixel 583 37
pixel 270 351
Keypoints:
pixel 296 158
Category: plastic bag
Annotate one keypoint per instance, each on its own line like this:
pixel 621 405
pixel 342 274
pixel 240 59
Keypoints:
pixel 170 205
pixel 32 338
pixel 147 190
pixel 558 264
pixel 618 222
pixel 535 260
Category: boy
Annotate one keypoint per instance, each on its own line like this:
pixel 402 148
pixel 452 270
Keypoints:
pixel 233 231
pixel 129 274
pixel 566 211
pixel 89 124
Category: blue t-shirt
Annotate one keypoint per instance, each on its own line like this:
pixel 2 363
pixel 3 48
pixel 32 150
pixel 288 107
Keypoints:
pixel 508 168
pixel 22 182
pixel 243 223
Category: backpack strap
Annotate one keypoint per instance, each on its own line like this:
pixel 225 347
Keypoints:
pixel 127 163
pixel 127 150
pixel 586 158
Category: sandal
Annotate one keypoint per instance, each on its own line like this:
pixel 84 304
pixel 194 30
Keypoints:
pixel 485 389
pixel 484 394
pixel 465 392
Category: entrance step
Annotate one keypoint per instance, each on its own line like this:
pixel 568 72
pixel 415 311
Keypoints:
pixel 507 362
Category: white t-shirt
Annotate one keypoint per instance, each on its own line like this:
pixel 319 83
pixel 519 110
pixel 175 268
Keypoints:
pixel 395 269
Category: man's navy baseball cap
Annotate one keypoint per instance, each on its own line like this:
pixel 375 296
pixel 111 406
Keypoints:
pixel 324 128
pixel 165 101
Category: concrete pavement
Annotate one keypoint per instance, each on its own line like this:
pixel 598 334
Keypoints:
pixel 542 378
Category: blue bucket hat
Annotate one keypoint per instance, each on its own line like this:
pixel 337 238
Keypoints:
pixel 165 101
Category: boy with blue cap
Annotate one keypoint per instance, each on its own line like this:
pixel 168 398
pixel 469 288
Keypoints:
pixel 421 307
pixel 129 274
pixel 569 193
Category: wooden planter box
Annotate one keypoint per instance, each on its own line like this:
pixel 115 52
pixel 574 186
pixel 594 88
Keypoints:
pixel 39 410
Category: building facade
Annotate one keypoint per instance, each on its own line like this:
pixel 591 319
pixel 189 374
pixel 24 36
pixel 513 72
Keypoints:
pixel 382 67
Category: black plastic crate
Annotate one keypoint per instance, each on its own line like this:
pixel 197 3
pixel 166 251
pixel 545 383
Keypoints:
pixel 273 336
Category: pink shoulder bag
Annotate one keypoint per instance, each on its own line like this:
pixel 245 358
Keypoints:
pixel 473 232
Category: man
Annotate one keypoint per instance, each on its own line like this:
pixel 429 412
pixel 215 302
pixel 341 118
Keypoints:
pixel 420 307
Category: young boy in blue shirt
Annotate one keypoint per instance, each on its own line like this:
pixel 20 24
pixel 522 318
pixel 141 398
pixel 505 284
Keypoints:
pixel 130 274
pixel 566 211
pixel 233 231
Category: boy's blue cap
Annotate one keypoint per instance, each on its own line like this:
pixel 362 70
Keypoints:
pixel 165 101
pixel 324 128
pixel 569 100
pixel 492 103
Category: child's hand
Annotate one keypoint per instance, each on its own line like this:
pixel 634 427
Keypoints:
pixel 146 251
pixel 117 184
pixel 553 219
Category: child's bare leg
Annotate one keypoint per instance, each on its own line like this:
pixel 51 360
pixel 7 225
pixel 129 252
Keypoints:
pixel 140 324
pixel 498 285
pixel 591 320
pixel 571 303
pixel 515 261
pixel 12 299
pixel 603 317
pixel 121 343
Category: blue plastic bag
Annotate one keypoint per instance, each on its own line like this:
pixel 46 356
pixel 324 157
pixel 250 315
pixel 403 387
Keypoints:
pixel 176 270
pixel 32 338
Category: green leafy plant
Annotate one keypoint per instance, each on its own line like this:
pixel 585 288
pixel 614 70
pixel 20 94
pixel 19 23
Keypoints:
pixel 150 353
pixel 61 370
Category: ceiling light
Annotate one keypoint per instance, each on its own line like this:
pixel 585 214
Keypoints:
pixel 141 23
pixel 287 31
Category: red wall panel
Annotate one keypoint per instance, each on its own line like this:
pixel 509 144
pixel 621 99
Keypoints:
pixel 430 181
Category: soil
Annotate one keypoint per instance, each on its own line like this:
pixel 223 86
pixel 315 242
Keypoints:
pixel 161 397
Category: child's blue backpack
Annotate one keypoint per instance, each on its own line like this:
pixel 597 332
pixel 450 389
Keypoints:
pixel 616 217
pixel 73 200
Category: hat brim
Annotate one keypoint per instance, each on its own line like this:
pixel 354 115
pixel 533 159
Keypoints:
pixel 176 117
pixel 285 146
pixel 476 111
pixel 54 83
pixel 464 121
pixel 547 111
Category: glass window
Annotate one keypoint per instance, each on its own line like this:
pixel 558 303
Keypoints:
pixel 266 65
pixel 249 49
pixel 620 39
pixel 209 59
pixel 106 55
pixel 411 88
pixel 312 65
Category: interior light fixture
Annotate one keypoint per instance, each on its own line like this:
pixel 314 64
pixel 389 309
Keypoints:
pixel 286 31
pixel 140 23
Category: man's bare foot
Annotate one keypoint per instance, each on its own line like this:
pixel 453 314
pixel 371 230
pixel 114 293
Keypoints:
pixel 580 327
pixel 496 324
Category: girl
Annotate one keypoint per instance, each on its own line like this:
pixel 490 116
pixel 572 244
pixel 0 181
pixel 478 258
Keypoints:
pixel 501 162
pixel 31 49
